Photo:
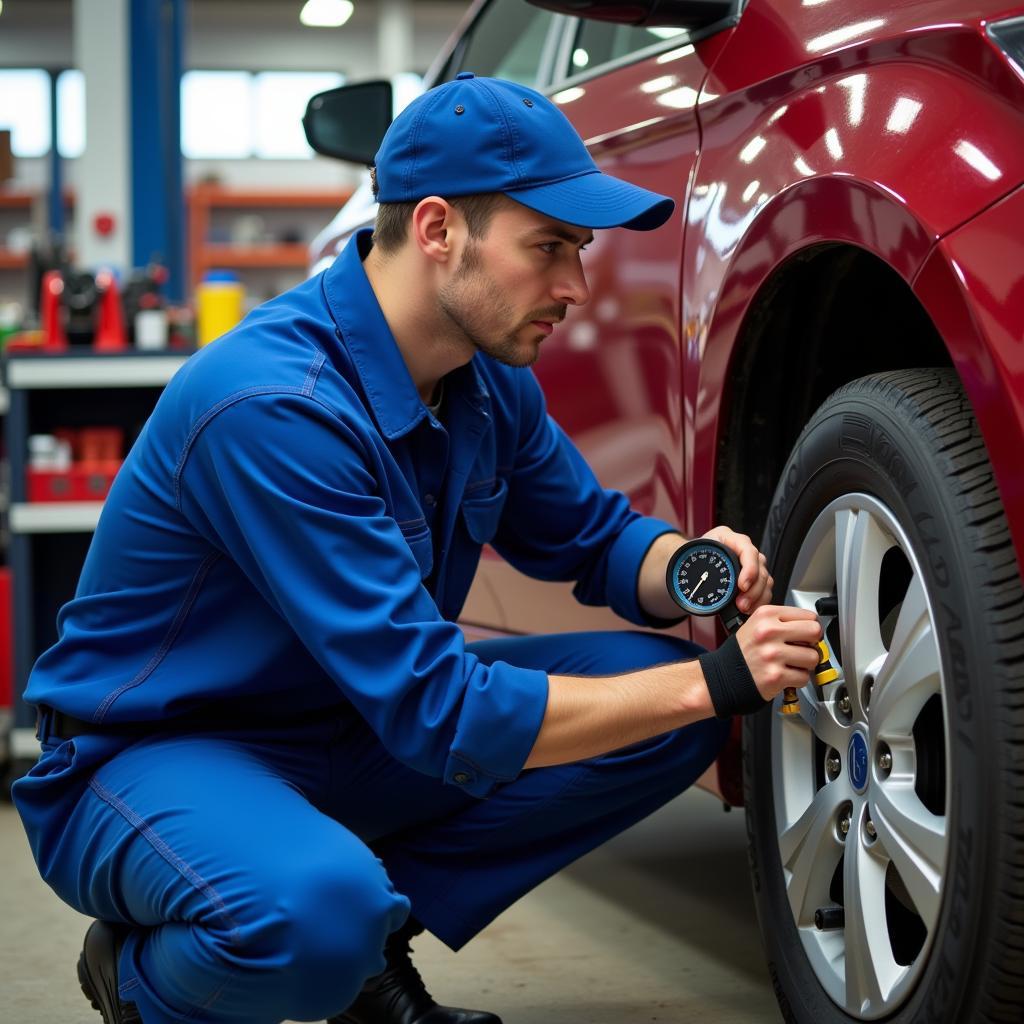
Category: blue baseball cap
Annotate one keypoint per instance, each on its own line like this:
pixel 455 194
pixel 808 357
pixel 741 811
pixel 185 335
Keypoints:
pixel 478 135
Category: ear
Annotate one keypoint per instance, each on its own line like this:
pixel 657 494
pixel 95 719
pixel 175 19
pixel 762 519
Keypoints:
pixel 431 228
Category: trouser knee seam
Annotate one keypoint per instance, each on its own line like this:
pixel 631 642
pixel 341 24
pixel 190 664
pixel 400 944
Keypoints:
pixel 164 850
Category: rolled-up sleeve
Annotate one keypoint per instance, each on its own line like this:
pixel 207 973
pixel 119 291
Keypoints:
pixel 560 524
pixel 288 490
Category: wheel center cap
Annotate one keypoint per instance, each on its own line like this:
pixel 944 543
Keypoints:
pixel 858 762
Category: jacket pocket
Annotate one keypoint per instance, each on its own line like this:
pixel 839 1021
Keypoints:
pixel 482 515
pixel 420 542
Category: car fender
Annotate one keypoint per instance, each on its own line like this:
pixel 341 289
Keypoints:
pixel 865 146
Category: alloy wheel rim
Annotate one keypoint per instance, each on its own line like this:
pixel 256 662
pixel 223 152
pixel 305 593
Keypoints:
pixel 872 837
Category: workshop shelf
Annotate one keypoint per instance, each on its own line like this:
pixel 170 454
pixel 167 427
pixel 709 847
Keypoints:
pixel 12 260
pixel 61 392
pixel 308 210
pixel 54 516
pixel 92 370
pixel 281 255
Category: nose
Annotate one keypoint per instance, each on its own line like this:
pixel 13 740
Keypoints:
pixel 571 289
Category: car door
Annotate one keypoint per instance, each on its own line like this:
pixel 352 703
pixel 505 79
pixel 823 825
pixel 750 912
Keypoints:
pixel 612 372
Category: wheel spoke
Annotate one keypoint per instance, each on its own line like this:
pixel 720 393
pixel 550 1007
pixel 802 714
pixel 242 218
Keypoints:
pixel 915 841
pixel 822 721
pixel 810 850
pixel 861 543
pixel 871 968
pixel 909 675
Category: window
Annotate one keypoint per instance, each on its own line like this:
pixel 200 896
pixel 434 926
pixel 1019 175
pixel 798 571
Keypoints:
pixel 238 114
pixel 216 114
pixel 279 101
pixel 70 114
pixel 506 41
pixel 601 42
pixel 25 110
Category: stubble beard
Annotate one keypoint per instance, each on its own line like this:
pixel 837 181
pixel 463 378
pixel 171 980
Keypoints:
pixel 472 302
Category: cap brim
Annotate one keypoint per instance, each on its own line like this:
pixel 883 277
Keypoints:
pixel 597 200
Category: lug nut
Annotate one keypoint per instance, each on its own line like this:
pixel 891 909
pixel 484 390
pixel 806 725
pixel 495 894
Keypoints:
pixel 869 827
pixel 844 825
pixel 885 761
pixel 832 764
pixel 844 703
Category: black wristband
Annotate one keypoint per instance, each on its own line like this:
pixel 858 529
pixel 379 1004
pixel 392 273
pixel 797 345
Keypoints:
pixel 732 687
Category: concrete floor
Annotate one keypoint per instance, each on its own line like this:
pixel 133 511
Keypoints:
pixel 658 925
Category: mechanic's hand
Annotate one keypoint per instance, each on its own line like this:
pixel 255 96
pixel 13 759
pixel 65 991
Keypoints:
pixel 755 584
pixel 779 645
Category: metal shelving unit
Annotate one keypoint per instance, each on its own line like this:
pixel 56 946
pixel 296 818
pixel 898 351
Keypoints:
pixel 51 536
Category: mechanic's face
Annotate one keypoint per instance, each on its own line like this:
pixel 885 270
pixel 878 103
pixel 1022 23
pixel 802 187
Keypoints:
pixel 515 283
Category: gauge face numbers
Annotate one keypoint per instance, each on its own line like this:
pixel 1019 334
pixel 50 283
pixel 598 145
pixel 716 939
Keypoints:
pixel 703 579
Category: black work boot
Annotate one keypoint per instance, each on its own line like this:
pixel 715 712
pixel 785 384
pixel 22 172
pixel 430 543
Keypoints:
pixel 398 996
pixel 97 973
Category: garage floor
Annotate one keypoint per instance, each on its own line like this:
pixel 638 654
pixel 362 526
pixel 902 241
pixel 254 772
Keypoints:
pixel 656 926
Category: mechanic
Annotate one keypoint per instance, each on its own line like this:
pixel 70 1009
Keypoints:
pixel 270 758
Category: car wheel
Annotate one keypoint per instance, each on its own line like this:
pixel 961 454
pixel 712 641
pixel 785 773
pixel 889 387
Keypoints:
pixel 886 818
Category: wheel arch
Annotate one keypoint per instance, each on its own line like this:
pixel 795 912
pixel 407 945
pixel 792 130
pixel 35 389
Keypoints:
pixel 810 313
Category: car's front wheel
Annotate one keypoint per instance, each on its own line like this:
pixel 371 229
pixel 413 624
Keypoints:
pixel 886 818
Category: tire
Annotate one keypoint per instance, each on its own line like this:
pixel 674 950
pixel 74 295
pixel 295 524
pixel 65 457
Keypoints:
pixel 927 633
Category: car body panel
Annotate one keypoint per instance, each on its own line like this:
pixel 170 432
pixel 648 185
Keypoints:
pixel 612 371
pixel 890 129
pixel 973 288
pixel 833 152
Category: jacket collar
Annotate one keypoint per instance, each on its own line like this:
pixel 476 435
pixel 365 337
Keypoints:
pixel 386 381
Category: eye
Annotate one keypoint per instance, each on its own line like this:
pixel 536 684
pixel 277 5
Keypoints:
pixel 548 247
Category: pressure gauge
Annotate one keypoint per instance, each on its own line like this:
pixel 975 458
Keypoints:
pixel 703 579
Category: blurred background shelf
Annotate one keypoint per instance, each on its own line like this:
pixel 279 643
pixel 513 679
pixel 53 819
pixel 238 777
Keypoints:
pixel 54 516
pixel 256 229
pixel 10 260
pixel 92 370
pixel 285 254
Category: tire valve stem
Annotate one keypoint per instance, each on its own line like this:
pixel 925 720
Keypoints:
pixel 828 919
pixel 824 674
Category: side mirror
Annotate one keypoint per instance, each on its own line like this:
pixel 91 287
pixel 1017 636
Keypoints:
pixel 688 14
pixel 349 122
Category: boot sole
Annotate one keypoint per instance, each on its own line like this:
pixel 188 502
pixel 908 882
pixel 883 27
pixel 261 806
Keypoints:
pixel 88 988
pixel 102 945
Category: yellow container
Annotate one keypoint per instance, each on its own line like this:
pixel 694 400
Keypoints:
pixel 218 305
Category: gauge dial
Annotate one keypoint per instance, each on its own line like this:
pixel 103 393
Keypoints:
pixel 702 577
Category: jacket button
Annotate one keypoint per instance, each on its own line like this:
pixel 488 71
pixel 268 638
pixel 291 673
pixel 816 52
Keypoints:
pixel 462 778
pixel 429 499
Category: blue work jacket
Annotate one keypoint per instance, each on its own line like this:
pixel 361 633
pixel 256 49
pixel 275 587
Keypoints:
pixel 294 529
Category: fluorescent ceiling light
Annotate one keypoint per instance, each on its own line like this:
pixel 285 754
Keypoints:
pixel 326 13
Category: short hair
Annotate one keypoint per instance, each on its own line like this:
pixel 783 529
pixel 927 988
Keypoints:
pixel 392 225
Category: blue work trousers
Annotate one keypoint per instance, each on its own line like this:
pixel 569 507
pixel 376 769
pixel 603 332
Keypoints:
pixel 261 872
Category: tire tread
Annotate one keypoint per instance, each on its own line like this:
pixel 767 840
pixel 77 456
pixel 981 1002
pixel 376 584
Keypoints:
pixel 933 406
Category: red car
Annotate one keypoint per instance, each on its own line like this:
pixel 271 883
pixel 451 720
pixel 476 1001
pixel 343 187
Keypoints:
pixel 825 349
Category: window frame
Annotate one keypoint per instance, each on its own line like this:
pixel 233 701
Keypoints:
pixel 442 69
pixel 570 36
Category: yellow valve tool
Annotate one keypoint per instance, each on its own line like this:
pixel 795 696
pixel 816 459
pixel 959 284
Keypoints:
pixel 824 674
